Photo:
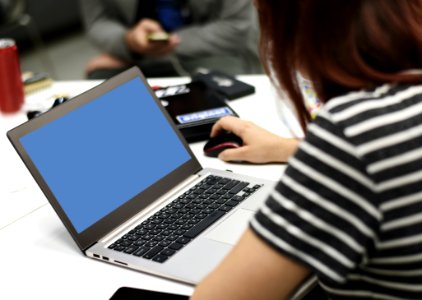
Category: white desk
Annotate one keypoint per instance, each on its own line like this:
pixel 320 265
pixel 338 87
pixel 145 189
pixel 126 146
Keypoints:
pixel 39 260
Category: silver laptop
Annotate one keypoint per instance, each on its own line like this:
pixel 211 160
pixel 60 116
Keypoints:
pixel 127 187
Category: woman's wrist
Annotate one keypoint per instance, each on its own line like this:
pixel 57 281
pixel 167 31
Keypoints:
pixel 284 148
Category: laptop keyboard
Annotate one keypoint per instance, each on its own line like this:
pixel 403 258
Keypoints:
pixel 174 226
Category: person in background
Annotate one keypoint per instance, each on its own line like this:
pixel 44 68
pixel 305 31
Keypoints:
pixel 348 208
pixel 211 34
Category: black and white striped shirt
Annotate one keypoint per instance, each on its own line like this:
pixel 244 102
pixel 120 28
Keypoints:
pixel 349 205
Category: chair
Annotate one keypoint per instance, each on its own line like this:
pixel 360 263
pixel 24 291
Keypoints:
pixel 13 15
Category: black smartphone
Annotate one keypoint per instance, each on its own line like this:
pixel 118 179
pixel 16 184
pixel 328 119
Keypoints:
pixel 129 293
pixel 227 85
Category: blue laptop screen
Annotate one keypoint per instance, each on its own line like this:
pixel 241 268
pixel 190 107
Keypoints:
pixel 105 152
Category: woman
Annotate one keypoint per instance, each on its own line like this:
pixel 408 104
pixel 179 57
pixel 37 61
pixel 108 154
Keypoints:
pixel 349 206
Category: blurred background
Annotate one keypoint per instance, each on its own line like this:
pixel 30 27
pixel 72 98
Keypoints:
pixel 50 37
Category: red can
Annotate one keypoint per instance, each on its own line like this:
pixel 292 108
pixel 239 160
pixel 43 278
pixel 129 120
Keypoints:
pixel 11 86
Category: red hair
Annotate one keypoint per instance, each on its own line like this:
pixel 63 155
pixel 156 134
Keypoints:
pixel 340 45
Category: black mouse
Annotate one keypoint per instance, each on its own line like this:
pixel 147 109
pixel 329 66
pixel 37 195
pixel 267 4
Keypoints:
pixel 221 142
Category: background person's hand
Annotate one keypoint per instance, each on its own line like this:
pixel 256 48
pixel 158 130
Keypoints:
pixel 137 39
pixel 259 145
pixel 105 61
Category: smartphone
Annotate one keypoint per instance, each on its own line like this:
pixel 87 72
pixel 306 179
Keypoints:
pixel 159 36
pixel 129 293
pixel 227 85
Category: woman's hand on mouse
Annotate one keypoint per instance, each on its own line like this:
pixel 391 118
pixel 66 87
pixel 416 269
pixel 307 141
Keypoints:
pixel 259 145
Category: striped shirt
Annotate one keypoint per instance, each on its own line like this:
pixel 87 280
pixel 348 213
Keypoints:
pixel 349 205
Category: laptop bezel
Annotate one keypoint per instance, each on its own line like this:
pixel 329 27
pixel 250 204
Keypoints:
pixel 105 225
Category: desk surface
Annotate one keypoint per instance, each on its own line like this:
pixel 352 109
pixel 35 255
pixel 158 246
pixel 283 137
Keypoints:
pixel 39 260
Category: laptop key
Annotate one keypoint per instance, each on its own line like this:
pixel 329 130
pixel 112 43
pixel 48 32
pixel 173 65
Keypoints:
pixel 162 226
pixel 179 231
pixel 221 201
pixel 168 252
pixel 172 237
pixel 187 226
pixel 176 246
pixel 226 208
pixel 159 238
pixel 147 237
pixel 168 221
pixel 151 244
pixel 194 221
pixel 119 248
pixel 240 186
pixel 173 227
pixel 238 198
pixel 201 216
pixel 166 232
pixel 164 243
pixel 141 251
pixel 156 221
pixel 125 243
pixel 214 206
pixel 153 252
pixel 248 190
pixel 170 210
pixel 156 231
pixel 133 237
pixel 231 184
pixel 183 240
pixel 232 203
pixel 180 222
pixel 149 226
pixel 204 224
pixel 160 258
pixel 141 231
pixel 207 201
pixel 130 249
pixel 196 210
pixel 139 243
pixel 208 211
pixel 224 181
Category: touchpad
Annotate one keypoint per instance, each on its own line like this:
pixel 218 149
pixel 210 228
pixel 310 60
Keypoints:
pixel 230 230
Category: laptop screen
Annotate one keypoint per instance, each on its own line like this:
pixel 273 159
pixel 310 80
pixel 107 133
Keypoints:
pixel 102 154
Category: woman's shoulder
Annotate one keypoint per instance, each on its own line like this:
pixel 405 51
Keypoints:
pixel 376 123
pixel 364 105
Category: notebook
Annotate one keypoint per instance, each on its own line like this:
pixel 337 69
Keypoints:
pixel 127 187
pixel 194 108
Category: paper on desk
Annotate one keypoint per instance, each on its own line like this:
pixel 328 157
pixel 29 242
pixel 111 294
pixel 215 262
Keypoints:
pixel 19 194
pixel 17 203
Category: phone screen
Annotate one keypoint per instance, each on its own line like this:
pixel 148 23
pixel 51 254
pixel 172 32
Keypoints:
pixel 129 293
pixel 158 37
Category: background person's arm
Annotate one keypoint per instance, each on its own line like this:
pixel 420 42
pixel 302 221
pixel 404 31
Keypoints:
pixel 230 23
pixel 103 29
pixel 252 270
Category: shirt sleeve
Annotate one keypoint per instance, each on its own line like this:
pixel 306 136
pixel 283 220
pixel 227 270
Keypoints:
pixel 229 28
pixel 104 29
pixel 323 213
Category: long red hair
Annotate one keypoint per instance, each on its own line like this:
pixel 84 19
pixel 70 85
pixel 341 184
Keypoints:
pixel 340 45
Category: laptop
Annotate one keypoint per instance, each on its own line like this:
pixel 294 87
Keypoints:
pixel 127 187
